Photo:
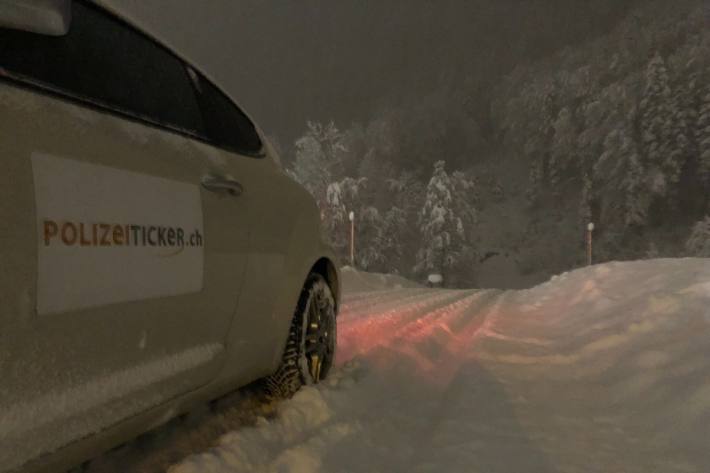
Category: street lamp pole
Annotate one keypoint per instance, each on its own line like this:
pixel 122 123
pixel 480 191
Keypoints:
pixel 590 229
pixel 352 238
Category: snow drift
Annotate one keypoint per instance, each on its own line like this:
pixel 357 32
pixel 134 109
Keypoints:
pixel 357 281
pixel 602 369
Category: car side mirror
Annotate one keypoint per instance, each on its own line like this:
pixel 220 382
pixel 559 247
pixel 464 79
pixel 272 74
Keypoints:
pixel 47 17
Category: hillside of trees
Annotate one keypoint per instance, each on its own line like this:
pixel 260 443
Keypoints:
pixel 473 183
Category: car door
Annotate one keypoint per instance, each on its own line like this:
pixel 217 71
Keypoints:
pixel 273 210
pixel 123 242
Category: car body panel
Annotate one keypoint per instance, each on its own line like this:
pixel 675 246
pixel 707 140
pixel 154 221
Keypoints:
pixel 159 347
pixel 77 379
pixel 284 251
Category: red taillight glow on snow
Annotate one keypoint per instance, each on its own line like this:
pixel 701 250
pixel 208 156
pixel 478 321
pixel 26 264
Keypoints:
pixel 436 334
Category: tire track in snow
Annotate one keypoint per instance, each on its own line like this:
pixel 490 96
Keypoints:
pixel 354 301
pixel 484 382
pixel 424 324
pixel 453 318
pixel 361 335
pixel 382 303
pixel 446 349
pixel 414 325
pixel 443 349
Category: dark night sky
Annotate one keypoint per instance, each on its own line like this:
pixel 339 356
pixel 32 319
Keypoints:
pixel 288 61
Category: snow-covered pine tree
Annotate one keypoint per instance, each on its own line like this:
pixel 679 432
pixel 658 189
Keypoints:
pixel 586 199
pixel 562 154
pixel 542 109
pixel 368 240
pixel 335 219
pixel 687 194
pixel 589 148
pixel 440 226
pixel 352 191
pixel 318 159
pixel 341 198
pixel 465 198
pixel 394 239
pixel 682 157
pixel 702 131
pixel 605 181
pixel 681 131
pixel 657 116
pixel 332 142
pixel 536 175
pixel 699 242
pixel 311 169
pixel 465 202
pixel 638 199
pixel 619 181
pixel 652 251
pixel 406 194
pixel 497 192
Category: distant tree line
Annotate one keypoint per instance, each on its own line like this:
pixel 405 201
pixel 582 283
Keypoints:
pixel 403 224
pixel 622 125
pixel 614 131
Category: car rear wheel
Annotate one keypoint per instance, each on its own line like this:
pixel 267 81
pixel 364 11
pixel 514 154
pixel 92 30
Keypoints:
pixel 310 348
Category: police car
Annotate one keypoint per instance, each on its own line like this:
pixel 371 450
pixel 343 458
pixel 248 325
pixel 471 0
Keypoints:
pixel 153 254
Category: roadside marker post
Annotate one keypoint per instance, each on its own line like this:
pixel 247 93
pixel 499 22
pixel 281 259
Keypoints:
pixel 352 238
pixel 590 230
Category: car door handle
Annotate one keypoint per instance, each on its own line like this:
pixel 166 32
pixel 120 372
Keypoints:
pixel 222 185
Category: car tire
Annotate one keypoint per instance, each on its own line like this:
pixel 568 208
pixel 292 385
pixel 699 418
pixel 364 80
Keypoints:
pixel 310 347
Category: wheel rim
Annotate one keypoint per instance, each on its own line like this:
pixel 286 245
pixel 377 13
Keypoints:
pixel 320 333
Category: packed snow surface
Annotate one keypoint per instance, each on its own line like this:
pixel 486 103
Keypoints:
pixel 604 369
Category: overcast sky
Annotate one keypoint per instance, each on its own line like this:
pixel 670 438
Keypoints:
pixel 286 61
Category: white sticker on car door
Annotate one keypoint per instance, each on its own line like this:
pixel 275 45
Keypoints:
pixel 106 235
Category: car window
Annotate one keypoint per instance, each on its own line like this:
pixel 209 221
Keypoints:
pixel 225 124
pixel 104 61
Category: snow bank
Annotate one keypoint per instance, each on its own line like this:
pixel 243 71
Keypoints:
pixel 357 281
pixel 602 369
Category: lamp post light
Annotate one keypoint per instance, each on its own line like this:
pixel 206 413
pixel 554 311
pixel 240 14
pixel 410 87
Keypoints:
pixel 590 230
pixel 352 238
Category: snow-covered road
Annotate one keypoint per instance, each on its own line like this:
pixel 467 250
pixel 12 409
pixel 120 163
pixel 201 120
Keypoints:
pixel 605 369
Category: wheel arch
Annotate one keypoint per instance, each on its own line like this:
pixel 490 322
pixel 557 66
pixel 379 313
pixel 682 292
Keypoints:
pixel 326 268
